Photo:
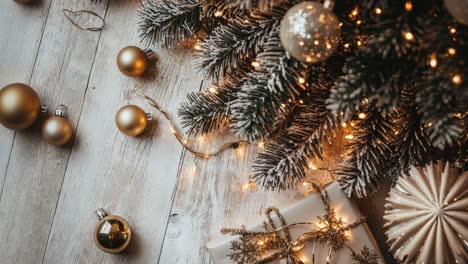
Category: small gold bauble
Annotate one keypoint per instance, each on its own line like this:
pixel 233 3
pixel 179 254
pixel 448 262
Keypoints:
pixel 310 32
pixel 19 106
pixel 112 233
pixel 57 130
pixel 131 120
pixel 132 61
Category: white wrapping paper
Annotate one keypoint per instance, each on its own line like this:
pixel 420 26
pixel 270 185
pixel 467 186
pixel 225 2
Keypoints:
pixel 307 210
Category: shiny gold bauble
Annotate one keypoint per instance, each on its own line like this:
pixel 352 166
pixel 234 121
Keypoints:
pixel 112 233
pixel 132 61
pixel 57 130
pixel 310 32
pixel 131 120
pixel 19 106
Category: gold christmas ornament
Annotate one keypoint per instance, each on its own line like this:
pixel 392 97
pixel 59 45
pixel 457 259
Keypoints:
pixel 20 106
pixel 458 9
pixel 133 61
pixel 57 130
pixel 426 216
pixel 112 233
pixel 310 32
pixel 132 120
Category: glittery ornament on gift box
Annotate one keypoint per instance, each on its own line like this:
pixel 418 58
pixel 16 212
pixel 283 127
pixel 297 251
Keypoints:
pixel 427 217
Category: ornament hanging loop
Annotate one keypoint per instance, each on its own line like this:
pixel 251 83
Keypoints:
pixel 60 110
pixel 67 12
pixel 100 213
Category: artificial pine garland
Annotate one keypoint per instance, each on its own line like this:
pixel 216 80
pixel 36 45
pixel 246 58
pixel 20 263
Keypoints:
pixel 400 66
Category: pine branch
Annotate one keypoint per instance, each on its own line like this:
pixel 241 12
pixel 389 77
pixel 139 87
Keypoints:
pixel 411 146
pixel 282 165
pixel 166 22
pixel 367 80
pixel 232 46
pixel 207 111
pixel 263 97
pixel 363 169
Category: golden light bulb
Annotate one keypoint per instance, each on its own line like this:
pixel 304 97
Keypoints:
pixel 453 30
pixel 261 144
pixel 408 6
pixel 433 61
pixel 301 101
pixel 359 22
pixel 301 80
pixel 218 14
pixel 457 79
pixel 409 36
pixel 197 46
pixel 349 136
pixel 452 51
pixel 255 64
pixel 378 11
pixel 362 115
pixel 312 166
pixel 354 12
pixel 343 124
pixel 212 89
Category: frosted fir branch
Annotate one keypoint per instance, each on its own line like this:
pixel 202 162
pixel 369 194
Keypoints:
pixel 367 80
pixel 363 170
pixel 207 111
pixel 264 95
pixel 232 46
pixel 411 146
pixel 166 22
pixel 282 165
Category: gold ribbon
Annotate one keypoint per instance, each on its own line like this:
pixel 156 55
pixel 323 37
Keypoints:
pixel 275 243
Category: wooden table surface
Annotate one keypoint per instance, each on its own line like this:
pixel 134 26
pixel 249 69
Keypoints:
pixel 175 203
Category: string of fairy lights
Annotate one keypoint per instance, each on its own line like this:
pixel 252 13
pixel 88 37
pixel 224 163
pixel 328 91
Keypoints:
pixel 185 142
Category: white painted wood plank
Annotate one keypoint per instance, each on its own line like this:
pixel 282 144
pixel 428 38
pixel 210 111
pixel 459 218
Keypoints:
pixel 36 169
pixel 132 177
pixel 20 34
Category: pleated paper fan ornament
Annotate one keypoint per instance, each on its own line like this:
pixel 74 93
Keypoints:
pixel 427 216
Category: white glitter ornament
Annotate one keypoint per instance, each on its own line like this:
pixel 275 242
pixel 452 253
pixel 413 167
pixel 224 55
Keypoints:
pixel 310 32
pixel 426 216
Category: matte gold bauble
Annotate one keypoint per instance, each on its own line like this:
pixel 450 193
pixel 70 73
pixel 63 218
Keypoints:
pixel 57 130
pixel 132 61
pixel 131 120
pixel 112 233
pixel 310 32
pixel 19 106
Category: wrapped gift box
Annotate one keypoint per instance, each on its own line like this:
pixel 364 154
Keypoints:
pixel 307 210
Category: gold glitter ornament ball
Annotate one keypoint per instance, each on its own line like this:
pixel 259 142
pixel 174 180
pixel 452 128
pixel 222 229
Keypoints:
pixel 132 61
pixel 310 32
pixel 131 120
pixel 19 106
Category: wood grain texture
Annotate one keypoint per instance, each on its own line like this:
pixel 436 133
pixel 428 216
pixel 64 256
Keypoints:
pixel 175 202
pixel 21 34
pixel 132 177
pixel 34 177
